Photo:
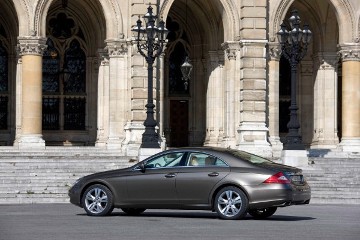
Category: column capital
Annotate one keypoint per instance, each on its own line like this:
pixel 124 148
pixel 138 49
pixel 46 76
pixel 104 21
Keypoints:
pixel 349 52
pixel 231 48
pixel 327 60
pixel 31 45
pixel 274 53
pixel 116 48
pixel 103 56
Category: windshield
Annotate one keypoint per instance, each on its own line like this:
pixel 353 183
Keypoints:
pixel 249 157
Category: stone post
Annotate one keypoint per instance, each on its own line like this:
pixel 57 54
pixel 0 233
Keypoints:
pixel 31 50
pixel 350 55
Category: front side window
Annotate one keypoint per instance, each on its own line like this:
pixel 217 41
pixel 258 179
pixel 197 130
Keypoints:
pixel 167 160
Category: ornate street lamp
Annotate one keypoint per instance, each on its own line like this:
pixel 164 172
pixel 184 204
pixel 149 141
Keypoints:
pixel 186 68
pixel 294 45
pixel 150 41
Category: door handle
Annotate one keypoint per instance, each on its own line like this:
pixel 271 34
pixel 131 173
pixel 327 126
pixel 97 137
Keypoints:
pixel 170 175
pixel 213 174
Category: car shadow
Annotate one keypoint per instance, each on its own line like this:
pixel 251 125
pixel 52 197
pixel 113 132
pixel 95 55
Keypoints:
pixel 205 215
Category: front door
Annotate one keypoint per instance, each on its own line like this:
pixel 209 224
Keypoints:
pixel 179 123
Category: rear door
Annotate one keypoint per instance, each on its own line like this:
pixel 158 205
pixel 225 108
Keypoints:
pixel 194 183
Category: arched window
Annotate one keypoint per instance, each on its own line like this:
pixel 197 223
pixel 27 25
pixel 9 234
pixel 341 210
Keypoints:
pixel 64 76
pixel 4 95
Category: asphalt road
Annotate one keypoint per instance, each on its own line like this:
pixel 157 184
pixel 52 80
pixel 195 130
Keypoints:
pixel 67 222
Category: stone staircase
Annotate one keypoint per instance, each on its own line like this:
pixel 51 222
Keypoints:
pixel 334 180
pixel 46 176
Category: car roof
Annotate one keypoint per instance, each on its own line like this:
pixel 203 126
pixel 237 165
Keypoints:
pixel 222 153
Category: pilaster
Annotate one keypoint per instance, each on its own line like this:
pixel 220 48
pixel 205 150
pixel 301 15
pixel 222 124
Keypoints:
pixel 274 54
pixel 31 50
pixel 252 129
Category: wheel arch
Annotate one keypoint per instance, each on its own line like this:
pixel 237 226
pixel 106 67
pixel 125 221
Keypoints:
pixel 100 182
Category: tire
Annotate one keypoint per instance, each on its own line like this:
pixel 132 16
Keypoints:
pixel 262 213
pixel 133 211
pixel 231 203
pixel 97 200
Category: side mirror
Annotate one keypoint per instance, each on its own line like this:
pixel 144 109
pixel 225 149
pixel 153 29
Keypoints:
pixel 142 167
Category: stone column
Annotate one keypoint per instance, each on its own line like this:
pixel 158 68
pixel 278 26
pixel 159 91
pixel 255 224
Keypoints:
pixel 119 100
pixel 273 86
pixel 18 100
pixel 325 102
pixel 103 100
pixel 31 50
pixel 232 50
pixel 253 131
pixel 305 97
pixel 214 101
pixel 350 55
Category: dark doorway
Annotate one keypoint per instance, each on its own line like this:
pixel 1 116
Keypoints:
pixel 179 123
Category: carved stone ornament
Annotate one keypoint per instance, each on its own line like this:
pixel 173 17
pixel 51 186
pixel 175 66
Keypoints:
pixel 350 52
pixel 31 46
pixel 274 52
pixel 231 49
pixel 116 48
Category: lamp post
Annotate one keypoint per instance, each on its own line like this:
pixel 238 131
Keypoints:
pixel 150 41
pixel 294 45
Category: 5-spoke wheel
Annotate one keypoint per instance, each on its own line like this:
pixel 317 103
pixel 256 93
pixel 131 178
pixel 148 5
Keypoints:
pixel 231 203
pixel 97 200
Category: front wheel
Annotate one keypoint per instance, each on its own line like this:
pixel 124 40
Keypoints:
pixel 231 203
pixel 97 200
pixel 262 213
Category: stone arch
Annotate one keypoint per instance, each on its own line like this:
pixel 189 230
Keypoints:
pixel 110 10
pixel 343 11
pixel 22 9
pixel 231 19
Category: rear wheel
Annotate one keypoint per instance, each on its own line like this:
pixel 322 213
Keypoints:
pixel 231 203
pixel 133 211
pixel 262 213
pixel 97 200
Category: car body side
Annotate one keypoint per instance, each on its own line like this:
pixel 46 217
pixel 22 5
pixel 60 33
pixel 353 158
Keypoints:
pixel 248 177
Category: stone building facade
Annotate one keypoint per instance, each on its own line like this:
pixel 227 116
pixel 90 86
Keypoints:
pixel 70 74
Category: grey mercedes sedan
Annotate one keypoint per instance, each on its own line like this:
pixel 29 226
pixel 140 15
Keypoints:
pixel 227 181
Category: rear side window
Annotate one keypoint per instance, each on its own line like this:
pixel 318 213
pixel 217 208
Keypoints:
pixel 204 160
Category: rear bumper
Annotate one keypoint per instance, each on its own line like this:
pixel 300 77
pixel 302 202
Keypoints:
pixel 279 196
